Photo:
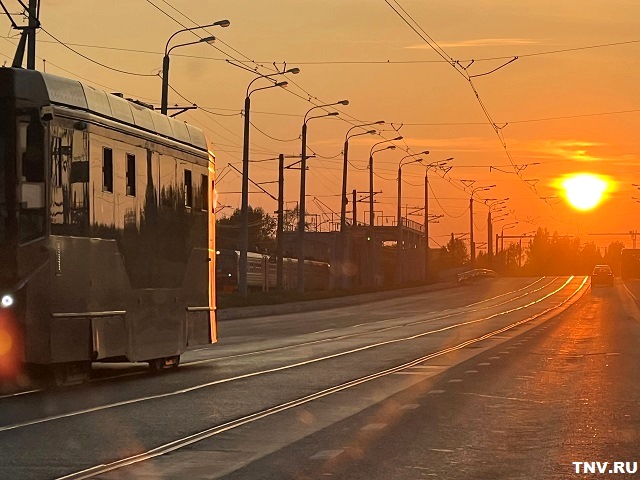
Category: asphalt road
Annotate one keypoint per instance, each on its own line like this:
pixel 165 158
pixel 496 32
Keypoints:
pixel 403 388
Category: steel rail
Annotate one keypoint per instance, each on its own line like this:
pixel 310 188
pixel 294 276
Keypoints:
pixel 274 369
pixel 313 342
pixel 210 432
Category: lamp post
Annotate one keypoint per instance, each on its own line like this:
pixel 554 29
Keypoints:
pixel 438 164
pixel 401 164
pixel 400 240
pixel 343 210
pixel 500 204
pixel 372 277
pixel 167 50
pixel 506 226
pixel 303 179
pixel 244 209
pixel 472 243
pixel 345 200
pixel 371 153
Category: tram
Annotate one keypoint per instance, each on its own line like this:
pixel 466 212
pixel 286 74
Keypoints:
pixel 262 272
pixel 106 230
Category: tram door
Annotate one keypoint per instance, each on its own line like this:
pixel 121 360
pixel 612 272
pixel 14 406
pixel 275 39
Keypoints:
pixel 31 179
pixel 32 253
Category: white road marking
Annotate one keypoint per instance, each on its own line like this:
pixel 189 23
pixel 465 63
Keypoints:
pixel 306 362
pixel 374 427
pixel 326 454
pixel 210 432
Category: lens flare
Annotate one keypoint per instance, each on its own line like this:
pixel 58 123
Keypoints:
pixel 10 348
pixel 584 191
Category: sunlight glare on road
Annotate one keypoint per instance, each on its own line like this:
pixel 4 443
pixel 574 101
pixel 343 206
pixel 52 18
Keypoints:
pixel 584 191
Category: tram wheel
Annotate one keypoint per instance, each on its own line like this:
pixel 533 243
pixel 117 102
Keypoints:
pixel 173 362
pixel 163 363
pixel 156 365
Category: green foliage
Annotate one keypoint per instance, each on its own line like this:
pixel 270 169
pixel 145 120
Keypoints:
pixel 560 255
pixel 262 229
pixel 613 256
pixel 455 253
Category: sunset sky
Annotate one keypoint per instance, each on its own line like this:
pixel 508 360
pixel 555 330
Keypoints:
pixel 566 112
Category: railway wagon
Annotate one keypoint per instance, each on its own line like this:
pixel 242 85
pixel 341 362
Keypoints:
pixel 262 272
pixel 106 230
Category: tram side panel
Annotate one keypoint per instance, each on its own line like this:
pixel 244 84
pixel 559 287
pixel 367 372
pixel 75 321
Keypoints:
pixel 131 282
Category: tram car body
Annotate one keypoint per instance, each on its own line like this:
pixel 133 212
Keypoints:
pixel 106 229
pixel 262 272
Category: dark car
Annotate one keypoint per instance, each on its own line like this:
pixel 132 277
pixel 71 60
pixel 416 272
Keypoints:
pixel 602 275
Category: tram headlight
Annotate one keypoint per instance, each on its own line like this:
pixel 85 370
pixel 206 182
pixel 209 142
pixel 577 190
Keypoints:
pixel 7 301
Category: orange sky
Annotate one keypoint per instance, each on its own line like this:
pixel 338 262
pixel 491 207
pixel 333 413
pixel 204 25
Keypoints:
pixel 432 93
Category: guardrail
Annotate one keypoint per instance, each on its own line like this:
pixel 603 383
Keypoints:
pixel 478 272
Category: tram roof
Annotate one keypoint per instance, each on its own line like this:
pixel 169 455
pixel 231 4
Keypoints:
pixel 77 95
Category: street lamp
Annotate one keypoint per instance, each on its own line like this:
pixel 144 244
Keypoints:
pixel 472 244
pixel 401 164
pixel 438 164
pixel 371 153
pixel 506 226
pixel 343 208
pixel 244 209
pixel 400 240
pixel 303 179
pixel 165 60
pixel 495 205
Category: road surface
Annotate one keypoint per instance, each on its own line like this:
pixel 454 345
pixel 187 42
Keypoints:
pixel 481 381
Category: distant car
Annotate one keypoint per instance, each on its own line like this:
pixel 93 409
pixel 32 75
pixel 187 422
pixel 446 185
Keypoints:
pixel 602 275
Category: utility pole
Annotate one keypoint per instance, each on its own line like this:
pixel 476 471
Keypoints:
pixel 27 37
pixel 244 211
pixel 279 231
pixel 426 225
pixel 490 239
pixel 371 215
pixel 472 243
pixel 33 24
pixel 355 217
pixel 301 208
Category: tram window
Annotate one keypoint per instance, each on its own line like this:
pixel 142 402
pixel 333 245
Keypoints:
pixel 107 170
pixel 204 192
pixel 188 189
pixel 56 153
pixel 32 187
pixel 131 174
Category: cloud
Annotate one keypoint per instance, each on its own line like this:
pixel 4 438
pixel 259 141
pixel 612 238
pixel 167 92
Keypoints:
pixel 578 150
pixel 480 42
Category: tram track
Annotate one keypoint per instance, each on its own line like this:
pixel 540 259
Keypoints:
pixel 306 362
pixel 458 311
pixel 272 410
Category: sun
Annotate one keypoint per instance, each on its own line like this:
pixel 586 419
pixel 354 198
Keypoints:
pixel 584 191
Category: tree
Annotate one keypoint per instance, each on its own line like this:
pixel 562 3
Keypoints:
pixel 261 230
pixel 291 219
pixel 457 252
pixel 613 256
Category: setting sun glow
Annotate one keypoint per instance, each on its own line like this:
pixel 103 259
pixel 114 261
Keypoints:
pixel 584 191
